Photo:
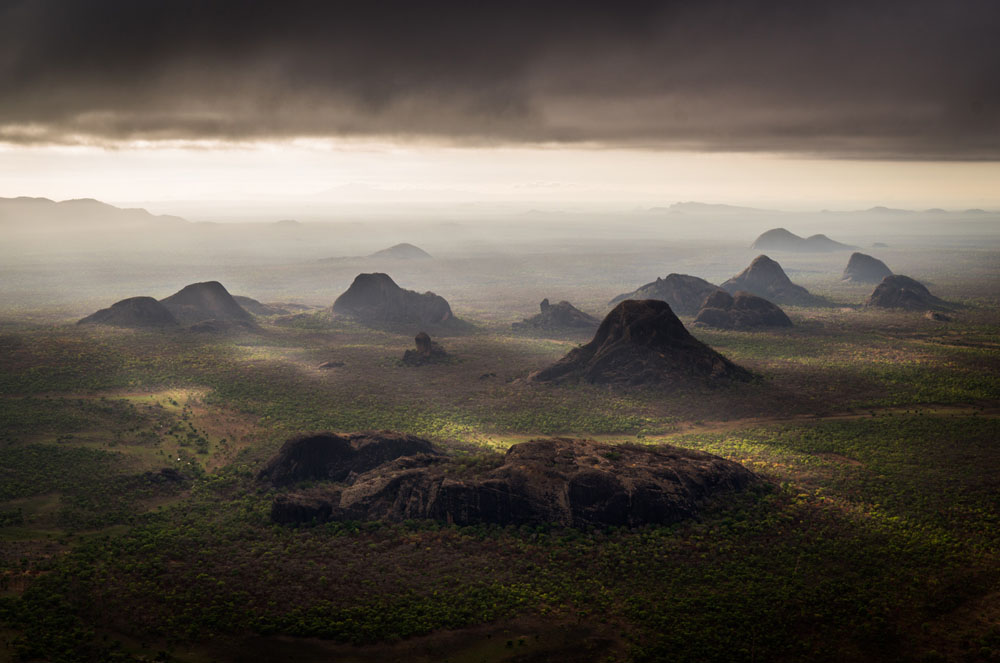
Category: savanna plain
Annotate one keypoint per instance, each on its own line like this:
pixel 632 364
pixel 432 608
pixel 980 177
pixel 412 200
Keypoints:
pixel 133 525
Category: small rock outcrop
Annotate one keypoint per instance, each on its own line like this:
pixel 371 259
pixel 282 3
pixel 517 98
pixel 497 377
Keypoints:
pixel 376 299
pixel 134 312
pixel 332 457
pixel 641 342
pixel 780 239
pixel 684 293
pixel 426 352
pixel 573 483
pixel 558 316
pixel 402 251
pixel 201 302
pixel 862 268
pixel 937 317
pixel 765 278
pixel 744 311
pixel 902 292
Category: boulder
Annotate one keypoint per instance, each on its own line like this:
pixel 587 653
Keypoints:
pixel 567 482
pixel 683 292
pixel 332 457
pixel 558 316
pixel 134 312
pixel 765 278
pixel 744 311
pixel 902 292
pixel 862 268
pixel 426 352
pixel 376 299
pixel 641 342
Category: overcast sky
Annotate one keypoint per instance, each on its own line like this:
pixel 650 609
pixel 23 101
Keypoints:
pixel 101 83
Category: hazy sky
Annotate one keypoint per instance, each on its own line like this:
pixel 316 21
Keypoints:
pixel 757 102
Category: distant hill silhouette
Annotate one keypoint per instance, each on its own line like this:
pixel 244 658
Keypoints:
pixel 780 239
pixel 683 292
pixel 79 214
pixel 376 299
pixel 765 278
pixel 135 312
pixel 200 302
pixel 641 342
pixel 402 251
pixel 862 268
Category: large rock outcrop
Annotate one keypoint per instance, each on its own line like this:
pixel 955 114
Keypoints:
pixel 376 299
pixel 862 268
pixel 578 483
pixel 641 342
pixel 780 239
pixel 902 292
pixel 765 278
pixel 208 301
pixel 426 352
pixel 558 316
pixel 134 312
pixel 332 457
pixel 744 311
pixel 684 293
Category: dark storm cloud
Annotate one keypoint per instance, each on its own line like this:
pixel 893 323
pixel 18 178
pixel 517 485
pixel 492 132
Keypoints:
pixel 908 79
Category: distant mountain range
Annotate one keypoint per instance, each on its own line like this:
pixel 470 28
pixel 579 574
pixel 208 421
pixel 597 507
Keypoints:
pixel 81 213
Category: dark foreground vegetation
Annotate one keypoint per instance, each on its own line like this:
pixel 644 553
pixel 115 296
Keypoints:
pixel 133 525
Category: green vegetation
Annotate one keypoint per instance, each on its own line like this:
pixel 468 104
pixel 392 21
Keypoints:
pixel 132 528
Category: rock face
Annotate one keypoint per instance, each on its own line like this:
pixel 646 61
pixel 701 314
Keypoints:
pixel 201 302
pixel 135 312
pixel 779 239
pixel 376 299
pixel 641 342
pixel 683 292
pixel 862 268
pixel 256 308
pixel 902 292
pixel 402 251
pixel 744 311
pixel 558 316
pixel 427 352
pixel 577 483
pixel 765 278
pixel 332 457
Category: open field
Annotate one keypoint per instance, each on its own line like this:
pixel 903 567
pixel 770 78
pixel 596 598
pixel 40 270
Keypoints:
pixel 132 527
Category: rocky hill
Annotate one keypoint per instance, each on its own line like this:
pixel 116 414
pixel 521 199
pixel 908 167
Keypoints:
pixel 780 239
pixel 201 302
pixel 376 299
pixel 558 316
pixel 641 342
pixel 136 312
pixel 742 311
pixel 902 292
pixel 765 278
pixel 862 268
pixel 578 483
pixel 402 251
pixel 683 292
